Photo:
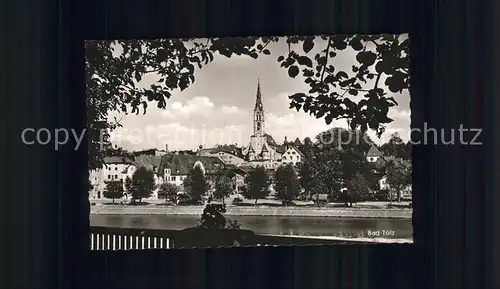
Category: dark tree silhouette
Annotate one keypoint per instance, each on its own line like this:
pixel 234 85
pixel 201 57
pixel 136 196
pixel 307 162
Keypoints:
pixel 327 174
pixel 398 178
pixel 356 190
pixel 223 188
pixel 114 190
pixel 128 186
pixel 256 184
pixel 395 147
pixel 305 174
pixel 142 184
pixel 196 184
pixel 286 183
pixel 168 191
pixel 380 58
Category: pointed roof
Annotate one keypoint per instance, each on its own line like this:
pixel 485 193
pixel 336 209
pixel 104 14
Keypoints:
pixel 258 101
pixel 297 142
pixel 270 140
pixel 180 164
pixel 296 149
pixel 373 152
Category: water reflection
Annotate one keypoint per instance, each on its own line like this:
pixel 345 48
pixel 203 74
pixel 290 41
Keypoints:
pixel 277 225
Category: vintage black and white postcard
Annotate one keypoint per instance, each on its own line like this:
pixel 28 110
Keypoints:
pixel 249 141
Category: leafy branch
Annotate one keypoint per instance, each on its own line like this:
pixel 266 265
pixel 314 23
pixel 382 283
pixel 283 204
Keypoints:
pixel 114 70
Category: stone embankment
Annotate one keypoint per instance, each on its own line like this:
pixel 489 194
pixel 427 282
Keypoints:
pixel 255 211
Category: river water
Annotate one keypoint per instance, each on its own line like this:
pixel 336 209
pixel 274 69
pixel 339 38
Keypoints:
pixel 273 225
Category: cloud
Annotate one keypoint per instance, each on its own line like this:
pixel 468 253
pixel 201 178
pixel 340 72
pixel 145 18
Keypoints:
pixel 198 121
pixel 218 107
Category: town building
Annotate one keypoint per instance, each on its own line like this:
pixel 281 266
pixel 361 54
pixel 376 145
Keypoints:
pixel 373 154
pixel 119 168
pixel 229 155
pixel 174 168
pixel 291 155
pixel 114 169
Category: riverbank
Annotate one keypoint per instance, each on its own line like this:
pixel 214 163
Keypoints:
pixel 376 240
pixel 255 211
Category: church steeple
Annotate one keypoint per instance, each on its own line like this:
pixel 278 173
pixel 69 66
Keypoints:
pixel 258 101
pixel 258 113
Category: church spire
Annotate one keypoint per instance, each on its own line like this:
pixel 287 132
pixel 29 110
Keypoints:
pixel 258 101
pixel 258 114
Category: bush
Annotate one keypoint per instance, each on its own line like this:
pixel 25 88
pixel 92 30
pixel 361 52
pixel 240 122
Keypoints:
pixel 186 200
pixel 287 203
pixel 235 225
pixel 382 196
pixel 237 201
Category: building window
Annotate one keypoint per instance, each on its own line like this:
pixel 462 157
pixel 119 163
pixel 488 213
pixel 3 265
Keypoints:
pixel 173 179
pixel 116 176
pixel 297 157
pixel 284 158
pixel 109 177
pixel 116 168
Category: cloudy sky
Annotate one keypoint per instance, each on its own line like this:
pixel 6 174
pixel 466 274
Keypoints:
pixel 218 107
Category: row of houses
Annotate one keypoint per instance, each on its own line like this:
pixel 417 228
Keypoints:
pixel 173 167
pixel 169 167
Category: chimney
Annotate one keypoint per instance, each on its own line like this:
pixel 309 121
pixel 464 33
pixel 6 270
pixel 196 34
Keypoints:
pixel 166 148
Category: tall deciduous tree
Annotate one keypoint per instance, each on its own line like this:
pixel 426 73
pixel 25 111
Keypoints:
pixel 223 188
pixel 305 174
pixel 398 178
pixel 356 189
pixel 114 190
pixel 327 174
pixel 407 151
pixel 128 186
pixel 142 184
pixel 196 184
pixel 395 147
pixel 114 70
pixel 286 183
pixel 256 184
pixel 168 191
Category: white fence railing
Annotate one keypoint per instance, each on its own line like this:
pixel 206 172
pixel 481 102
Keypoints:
pixel 102 241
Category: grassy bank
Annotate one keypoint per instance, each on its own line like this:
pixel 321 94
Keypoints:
pixel 256 211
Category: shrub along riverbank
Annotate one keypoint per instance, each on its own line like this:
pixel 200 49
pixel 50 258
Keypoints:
pixel 256 211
